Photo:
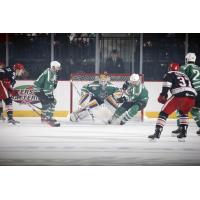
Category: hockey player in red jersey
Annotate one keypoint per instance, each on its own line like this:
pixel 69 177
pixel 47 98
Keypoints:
pixel 182 99
pixel 7 81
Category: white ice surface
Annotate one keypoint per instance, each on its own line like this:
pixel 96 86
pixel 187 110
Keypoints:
pixel 33 143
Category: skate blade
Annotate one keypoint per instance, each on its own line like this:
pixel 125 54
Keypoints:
pixel 153 140
pixel 174 135
pixel 181 139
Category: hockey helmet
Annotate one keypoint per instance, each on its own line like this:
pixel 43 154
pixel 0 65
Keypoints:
pixel 104 78
pixel 18 66
pixel 134 79
pixel 55 65
pixel 190 57
pixel 19 69
pixel 174 67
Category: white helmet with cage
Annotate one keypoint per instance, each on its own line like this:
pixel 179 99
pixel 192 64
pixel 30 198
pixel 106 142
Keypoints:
pixel 134 79
pixel 190 57
pixel 55 65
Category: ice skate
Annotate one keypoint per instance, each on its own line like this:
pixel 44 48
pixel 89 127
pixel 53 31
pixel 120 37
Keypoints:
pixel 155 136
pixel 122 122
pixel 176 132
pixel 182 135
pixel 198 132
pixel 53 122
pixel 45 119
pixel 12 121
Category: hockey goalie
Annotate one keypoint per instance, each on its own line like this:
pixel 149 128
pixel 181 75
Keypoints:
pixel 94 95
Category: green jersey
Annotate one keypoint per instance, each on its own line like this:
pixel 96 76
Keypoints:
pixel 136 93
pixel 98 90
pixel 193 72
pixel 46 82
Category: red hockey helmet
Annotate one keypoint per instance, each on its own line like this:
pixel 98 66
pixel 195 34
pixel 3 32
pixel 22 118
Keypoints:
pixel 174 67
pixel 18 66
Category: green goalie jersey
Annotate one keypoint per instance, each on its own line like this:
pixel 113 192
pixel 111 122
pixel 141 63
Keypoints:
pixel 136 92
pixel 46 82
pixel 193 72
pixel 97 90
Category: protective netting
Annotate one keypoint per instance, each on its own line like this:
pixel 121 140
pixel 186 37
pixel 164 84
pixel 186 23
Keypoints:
pixel 93 77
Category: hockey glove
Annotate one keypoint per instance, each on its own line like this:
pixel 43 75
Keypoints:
pixel 14 93
pixel 41 94
pixel 122 99
pixel 55 84
pixel 125 86
pixel 51 98
pixel 162 99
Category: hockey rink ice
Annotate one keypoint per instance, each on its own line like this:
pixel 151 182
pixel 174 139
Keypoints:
pixel 80 144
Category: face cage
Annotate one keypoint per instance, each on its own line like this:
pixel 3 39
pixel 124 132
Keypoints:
pixel 103 82
pixel 135 83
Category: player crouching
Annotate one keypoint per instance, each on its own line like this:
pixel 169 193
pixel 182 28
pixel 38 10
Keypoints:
pixel 99 91
pixel 182 99
pixel 43 88
pixel 134 99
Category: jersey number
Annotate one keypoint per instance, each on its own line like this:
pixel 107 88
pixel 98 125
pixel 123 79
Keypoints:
pixel 183 82
pixel 197 74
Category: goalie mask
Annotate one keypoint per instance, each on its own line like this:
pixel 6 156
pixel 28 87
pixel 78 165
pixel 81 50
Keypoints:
pixel 104 79
pixel 190 57
pixel 135 79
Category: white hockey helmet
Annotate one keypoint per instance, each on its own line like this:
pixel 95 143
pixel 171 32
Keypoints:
pixel 55 65
pixel 190 57
pixel 134 79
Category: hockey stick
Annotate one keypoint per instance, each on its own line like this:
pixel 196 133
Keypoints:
pixel 88 109
pixel 32 107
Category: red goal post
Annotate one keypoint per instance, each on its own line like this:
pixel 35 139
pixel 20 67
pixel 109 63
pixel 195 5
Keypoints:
pixel 78 80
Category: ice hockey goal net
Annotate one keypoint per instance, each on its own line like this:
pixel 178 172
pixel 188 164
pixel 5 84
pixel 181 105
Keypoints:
pixel 78 80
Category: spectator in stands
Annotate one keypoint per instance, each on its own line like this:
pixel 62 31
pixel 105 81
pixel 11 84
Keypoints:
pixel 114 64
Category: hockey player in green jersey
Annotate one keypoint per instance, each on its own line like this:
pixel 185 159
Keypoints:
pixel 134 99
pixel 43 88
pixel 193 72
pixel 98 91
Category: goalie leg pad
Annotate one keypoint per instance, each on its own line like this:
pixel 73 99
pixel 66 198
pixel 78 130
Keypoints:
pixel 74 117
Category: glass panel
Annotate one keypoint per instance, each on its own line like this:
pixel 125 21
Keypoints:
pixel 159 50
pixel 31 49
pixel 194 45
pixel 76 52
pixel 3 47
pixel 116 52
